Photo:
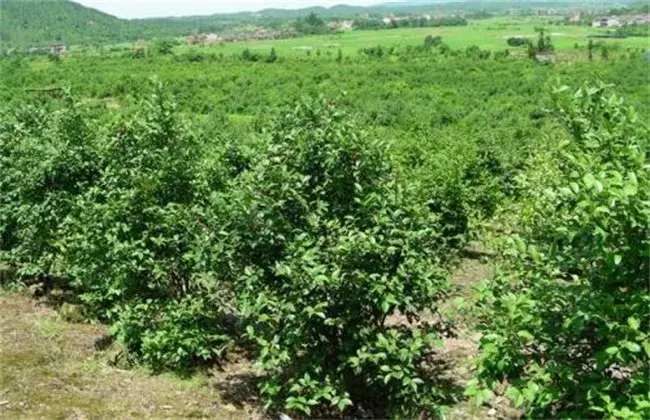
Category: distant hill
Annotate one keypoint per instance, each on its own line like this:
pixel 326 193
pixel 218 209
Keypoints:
pixel 36 22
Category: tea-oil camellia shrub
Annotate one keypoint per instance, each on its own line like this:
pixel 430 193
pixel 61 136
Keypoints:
pixel 47 159
pixel 330 244
pixel 567 328
pixel 138 243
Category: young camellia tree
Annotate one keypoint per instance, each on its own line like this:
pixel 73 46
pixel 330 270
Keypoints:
pixel 47 159
pixel 568 328
pixel 136 244
pixel 164 46
pixel 326 245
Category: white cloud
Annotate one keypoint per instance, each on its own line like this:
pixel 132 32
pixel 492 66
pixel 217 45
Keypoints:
pixel 160 8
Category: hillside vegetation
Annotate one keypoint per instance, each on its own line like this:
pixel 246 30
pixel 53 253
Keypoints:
pixel 38 23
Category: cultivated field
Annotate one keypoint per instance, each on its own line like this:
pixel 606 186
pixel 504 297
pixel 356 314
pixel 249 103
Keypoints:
pixel 489 34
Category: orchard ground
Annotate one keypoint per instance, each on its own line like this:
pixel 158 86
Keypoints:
pixel 59 369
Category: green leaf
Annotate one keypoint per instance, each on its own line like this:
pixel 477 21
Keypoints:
pixel 344 402
pixel 630 189
pixel 646 347
pixel 515 396
pixel 633 323
pixel 599 186
pixel 525 335
pixel 633 347
pixel 617 259
pixel 385 306
pixel 482 396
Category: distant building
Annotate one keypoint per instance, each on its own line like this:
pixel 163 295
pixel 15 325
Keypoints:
pixel 211 39
pixel 606 22
pixel 342 25
pixel 547 12
pixel 58 49
pixel 638 20
pixel 387 20
pixel 545 57
pixel 203 39
pixel 575 19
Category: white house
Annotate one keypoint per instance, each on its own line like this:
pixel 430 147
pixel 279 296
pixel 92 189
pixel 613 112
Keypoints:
pixel 606 22
pixel 58 49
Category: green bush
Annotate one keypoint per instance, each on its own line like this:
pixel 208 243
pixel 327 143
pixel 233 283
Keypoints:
pixel 133 235
pixel 139 244
pixel 567 329
pixel 47 159
pixel 432 41
pixel 516 41
pixel 164 46
pixel 329 245
pixel 180 334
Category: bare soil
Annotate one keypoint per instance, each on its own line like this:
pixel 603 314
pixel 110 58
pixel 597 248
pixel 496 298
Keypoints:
pixel 50 368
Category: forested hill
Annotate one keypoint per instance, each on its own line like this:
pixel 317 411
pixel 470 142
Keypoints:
pixel 37 23
pixel 26 23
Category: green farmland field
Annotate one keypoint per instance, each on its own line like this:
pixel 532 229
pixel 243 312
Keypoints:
pixel 489 34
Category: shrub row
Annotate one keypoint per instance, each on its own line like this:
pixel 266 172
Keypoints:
pixel 304 245
pixel 302 249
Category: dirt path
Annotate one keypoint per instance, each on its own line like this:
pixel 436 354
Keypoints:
pixel 462 350
pixel 51 369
